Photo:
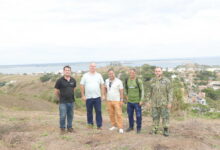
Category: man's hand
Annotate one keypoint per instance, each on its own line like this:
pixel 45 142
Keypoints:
pixel 84 98
pixel 103 98
pixel 169 106
pixel 141 103
pixel 121 103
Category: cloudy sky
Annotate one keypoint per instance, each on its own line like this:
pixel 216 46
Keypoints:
pixel 50 31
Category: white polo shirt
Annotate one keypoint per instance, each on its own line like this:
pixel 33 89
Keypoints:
pixel 92 84
pixel 113 89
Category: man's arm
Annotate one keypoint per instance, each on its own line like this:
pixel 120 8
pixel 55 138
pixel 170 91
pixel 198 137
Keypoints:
pixel 103 91
pixel 57 93
pixel 121 94
pixel 142 92
pixel 82 89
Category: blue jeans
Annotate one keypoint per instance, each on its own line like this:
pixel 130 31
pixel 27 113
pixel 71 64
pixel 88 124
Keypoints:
pixel 66 111
pixel 96 103
pixel 130 110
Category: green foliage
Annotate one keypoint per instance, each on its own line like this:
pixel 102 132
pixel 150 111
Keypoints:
pixel 147 72
pixel 212 115
pixel 213 94
pixel 205 75
pixel 77 93
pixel 2 83
pixel 123 75
pixel 49 76
pixel 203 111
pixel 199 108
pixel 105 75
pixel 79 104
pixel 178 103
pixel 167 74
pixel 213 103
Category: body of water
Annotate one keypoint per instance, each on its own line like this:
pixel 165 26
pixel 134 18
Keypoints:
pixel 83 66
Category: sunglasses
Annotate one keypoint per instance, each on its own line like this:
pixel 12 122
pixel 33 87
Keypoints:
pixel 110 84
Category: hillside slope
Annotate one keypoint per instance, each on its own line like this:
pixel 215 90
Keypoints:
pixel 29 122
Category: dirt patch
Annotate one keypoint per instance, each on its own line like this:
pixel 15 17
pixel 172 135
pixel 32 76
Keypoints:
pixel 19 127
pixel 26 103
pixel 15 138
pixel 160 147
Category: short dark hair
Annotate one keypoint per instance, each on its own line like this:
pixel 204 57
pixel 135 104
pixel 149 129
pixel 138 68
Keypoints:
pixel 110 70
pixel 66 67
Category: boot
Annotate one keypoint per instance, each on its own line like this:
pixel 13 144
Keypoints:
pixel 166 132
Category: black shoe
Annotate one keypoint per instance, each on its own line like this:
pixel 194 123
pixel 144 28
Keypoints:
pixel 166 132
pixel 129 129
pixel 138 131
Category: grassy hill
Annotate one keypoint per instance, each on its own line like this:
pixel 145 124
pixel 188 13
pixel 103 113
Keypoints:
pixel 29 121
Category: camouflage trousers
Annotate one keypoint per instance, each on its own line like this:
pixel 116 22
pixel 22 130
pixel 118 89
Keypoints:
pixel 162 112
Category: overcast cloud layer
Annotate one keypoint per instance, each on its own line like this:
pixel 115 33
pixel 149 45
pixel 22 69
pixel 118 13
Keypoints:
pixel 50 31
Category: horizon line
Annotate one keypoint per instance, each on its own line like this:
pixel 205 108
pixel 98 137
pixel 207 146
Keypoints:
pixel 154 59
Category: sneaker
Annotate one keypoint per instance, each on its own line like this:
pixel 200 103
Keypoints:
pixel 112 128
pixel 62 131
pixel 129 129
pixel 70 130
pixel 121 131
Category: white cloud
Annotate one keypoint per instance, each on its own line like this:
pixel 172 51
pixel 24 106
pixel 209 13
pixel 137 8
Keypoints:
pixel 42 30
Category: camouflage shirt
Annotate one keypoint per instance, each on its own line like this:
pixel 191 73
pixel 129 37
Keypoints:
pixel 160 92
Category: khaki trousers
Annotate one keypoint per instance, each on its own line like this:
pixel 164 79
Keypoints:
pixel 115 113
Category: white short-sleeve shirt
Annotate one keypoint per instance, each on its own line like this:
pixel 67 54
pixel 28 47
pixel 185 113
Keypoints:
pixel 92 84
pixel 113 89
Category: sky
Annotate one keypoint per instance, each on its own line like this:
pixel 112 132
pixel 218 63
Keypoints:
pixel 53 31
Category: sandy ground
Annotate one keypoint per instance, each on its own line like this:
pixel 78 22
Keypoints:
pixel 38 130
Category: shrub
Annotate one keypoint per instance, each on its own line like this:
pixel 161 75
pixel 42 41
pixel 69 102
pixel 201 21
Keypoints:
pixel 2 83
pixel 49 76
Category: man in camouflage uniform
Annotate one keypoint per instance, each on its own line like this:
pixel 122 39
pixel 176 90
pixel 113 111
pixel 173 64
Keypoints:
pixel 160 99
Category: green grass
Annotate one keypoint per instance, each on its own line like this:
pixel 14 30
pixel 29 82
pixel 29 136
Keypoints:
pixel 38 146
pixel 206 115
pixel 66 137
pixel 44 134
pixel 13 119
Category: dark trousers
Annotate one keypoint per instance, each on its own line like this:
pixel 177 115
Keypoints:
pixel 131 107
pixel 96 103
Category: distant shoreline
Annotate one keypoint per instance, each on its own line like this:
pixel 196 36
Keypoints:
pixel 83 66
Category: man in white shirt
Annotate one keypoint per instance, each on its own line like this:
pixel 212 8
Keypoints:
pixel 92 91
pixel 114 92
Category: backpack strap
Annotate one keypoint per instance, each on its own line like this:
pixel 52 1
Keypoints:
pixel 138 85
pixel 126 85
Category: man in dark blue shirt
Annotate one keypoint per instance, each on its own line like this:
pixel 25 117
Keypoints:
pixel 64 90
